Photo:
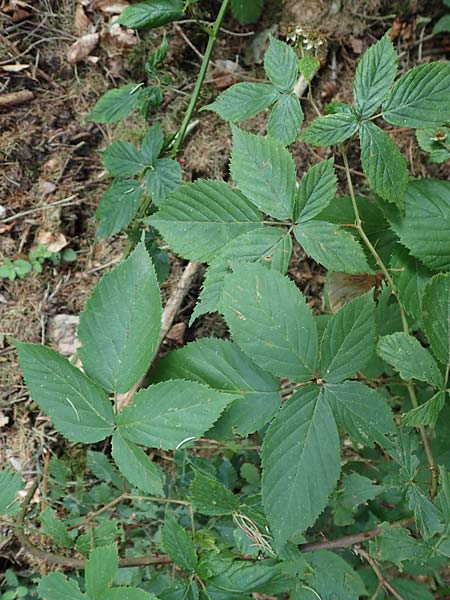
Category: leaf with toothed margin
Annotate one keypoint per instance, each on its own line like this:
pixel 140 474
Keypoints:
pixel 243 100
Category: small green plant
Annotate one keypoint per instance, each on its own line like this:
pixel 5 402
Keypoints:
pixel 18 268
pixel 328 475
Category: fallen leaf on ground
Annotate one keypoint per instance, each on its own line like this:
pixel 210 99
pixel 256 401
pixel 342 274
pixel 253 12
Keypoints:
pixel 15 68
pixel 81 20
pixel 226 73
pixel 81 49
pixel 343 287
pixel 120 36
pixel 110 7
pixel 53 241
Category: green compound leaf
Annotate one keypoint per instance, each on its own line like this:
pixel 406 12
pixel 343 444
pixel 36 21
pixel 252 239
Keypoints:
pixel 54 528
pixel 436 316
pixel 361 412
pixel 331 129
pixel 151 13
pixel 118 206
pixel 383 163
pixel 209 497
pixel 78 407
pixel 427 201
pixel 162 179
pixel 101 569
pixel 179 545
pixel 281 65
pixel 136 466
pixel 56 586
pixel 409 358
pixel 171 413
pixel 246 11
pixel 221 365
pixel 300 463
pixel 410 278
pixel 270 320
pixel 285 119
pixel 122 159
pixel 420 98
pixel 332 247
pixel 427 413
pixel 199 218
pixel 116 104
pixel 265 172
pixel 317 189
pixel 349 340
pixel 152 143
pixel 243 100
pixel 120 325
pixel 374 76
pixel 10 483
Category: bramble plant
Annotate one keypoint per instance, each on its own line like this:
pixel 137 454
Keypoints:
pixel 346 474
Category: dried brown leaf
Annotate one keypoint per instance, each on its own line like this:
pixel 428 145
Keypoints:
pixel 343 287
pixel 81 20
pixel 81 49
pixel 53 241
pixel 110 7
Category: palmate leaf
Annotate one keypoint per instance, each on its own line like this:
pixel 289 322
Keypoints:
pixel 221 365
pixel 116 104
pixel 265 172
pixel 409 358
pixel 162 179
pixel 136 466
pixel 151 13
pixel 361 412
pixel 179 545
pixel 316 190
pixel 122 159
pixel 281 65
pixel 120 325
pixel 331 129
pixel 436 316
pixel 78 407
pixel 383 164
pixel 332 247
pixel 427 201
pixel 101 569
pixel 243 100
pixel 301 463
pixel 374 76
pixel 420 97
pixel 285 119
pixel 199 218
pixel 209 497
pixel 171 413
pixel 270 320
pixel 410 278
pixel 118 206
pixel 348 342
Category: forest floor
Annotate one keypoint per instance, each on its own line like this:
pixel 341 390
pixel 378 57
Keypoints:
pixel 52 176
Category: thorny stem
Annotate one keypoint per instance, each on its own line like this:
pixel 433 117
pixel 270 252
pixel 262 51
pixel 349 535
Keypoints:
pixel 201 77
pixel 380 263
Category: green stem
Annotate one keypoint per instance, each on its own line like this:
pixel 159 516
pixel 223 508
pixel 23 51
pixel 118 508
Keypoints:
pixel 201 77
pixel 380 263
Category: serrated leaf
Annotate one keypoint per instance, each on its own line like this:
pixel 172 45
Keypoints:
pixel 332 247
pixel 411 589
pixel 171 413
pixel 120 325
pixel 122 159
pixel 99 464
pixel 396 545
pixel 410 278
pixel 127 593
pixel 349 340
pixel 340 288
pixel 317 189
pixel 136 466
pixel 116 104
pixel 357 489
pixel 78 407
pixel 199 218
pixel 221 365
pixel 162 179
pixel 334 578
pixel 10 483
pixel 383 163
pixel 420 97
pixel 300 463
pixel 427 201
pixel 436 316
pixel 427 515
pixel 374 76
pixel 427 413
pixel 409 358
pixel 270 320
pixel 209 497
pixel 179 545
pixel 151 13
pixel 54 528
pixel 241 579
pixel 443 498
pixel 100 571
pixel 361 411
pixel 118 206
pixel 246 11
pixel 103 534
pixel 56 586
pixel 152 143
pixel 309 65
pixel 243 100
pixel 331 129
pixel 281 65
pixel 265 172
pixel 285 119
